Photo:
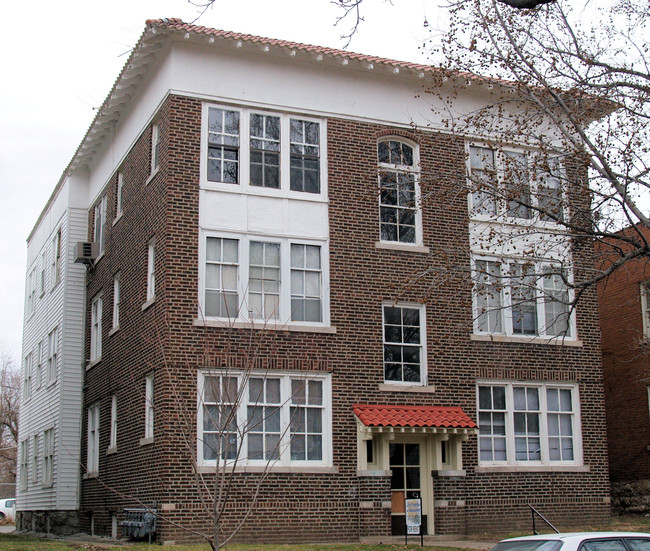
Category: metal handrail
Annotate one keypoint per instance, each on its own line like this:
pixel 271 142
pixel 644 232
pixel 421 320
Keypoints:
pixel 534 512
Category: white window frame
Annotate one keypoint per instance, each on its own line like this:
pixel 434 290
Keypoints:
pixel 52 355
pixel 35 456
pixel 31 292
pixel 243 181
pixel 422 345
pixel 27 377
pixel 116 300
pixel 48 456
pixel 405 169
pixel 149 406
pixel 24 462
pixel 96 315
pixel 285 243
pixel 99 224
pixel 151 270
pixel 118 196
pixel 535 180
pixel 644 291
pixel 92 463
pixel 284 459
pixel 576 425
pixel 505 298
pixel 41 348
pixel 113 436
pixel 42 278
pixel 56 258
pixel 155 148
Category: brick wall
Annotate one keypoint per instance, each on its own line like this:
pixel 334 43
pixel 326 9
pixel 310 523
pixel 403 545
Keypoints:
pixel 164 339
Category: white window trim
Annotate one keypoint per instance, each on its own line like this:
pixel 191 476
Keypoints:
pixel 113 435
pixel 116 300
pixel 27 377
pixel 501 215
pixel 99 230
pixel 52 355
pixel 423 344
pixel 96 315
pixel 92 464
pixel 244 154
pixel 510 436
pixel 149 412
pixel 48 456
pixel 155 149
pixel 284 320
pixel 119 198
pixel 151 270
pixel 644 291
pixel 35 457
pixel 415 170
pixel 23 466
pixel 285 382
pixel 505 299
pixel 55 276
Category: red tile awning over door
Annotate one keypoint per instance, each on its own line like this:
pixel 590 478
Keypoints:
pixel 447 419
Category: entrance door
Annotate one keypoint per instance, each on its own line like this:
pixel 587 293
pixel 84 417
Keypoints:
pixel 405 462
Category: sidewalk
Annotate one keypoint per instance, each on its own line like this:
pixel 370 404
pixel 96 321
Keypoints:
pixel 433 541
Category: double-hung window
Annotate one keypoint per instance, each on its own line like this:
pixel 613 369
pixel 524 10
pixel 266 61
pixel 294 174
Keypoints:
pixel 151 270
pixel 92 465
pixel 24 462
pixel 262 150
pixel 48 456
pixel 35 451
pixel 399 217
pixel 645 307
pixel 100 224
pixel 112 443
pixel 55 276
pixel 404 360
pixel 52 354
pixel 514 184
pixel 27 377
pixel 96 329
pixel 155 147
pixel 264 280
pixel 265 419
pixel 522 298
pixel 116 300
pixel 528 424
pixel 148 406
pixel 118 195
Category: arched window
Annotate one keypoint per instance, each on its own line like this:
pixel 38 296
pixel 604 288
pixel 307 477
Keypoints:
pixel 398 197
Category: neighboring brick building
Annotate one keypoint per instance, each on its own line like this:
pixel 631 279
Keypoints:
pixel 244 243
pixel 625 326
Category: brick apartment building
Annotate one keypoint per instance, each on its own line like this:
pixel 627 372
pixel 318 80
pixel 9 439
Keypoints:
pixel 625 326
pixel 229 185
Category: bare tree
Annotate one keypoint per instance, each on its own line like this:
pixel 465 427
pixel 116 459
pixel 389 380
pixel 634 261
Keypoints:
pixel 9 402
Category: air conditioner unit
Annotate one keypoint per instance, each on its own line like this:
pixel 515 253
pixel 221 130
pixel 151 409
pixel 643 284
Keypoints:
pixel 86 252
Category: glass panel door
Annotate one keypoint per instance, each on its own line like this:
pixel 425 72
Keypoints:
pixel 405 483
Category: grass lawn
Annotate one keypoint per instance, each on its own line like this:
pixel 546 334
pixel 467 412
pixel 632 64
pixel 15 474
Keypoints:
pixel 11 542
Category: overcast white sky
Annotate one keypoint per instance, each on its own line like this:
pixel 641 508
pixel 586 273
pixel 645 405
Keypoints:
pixel 60 59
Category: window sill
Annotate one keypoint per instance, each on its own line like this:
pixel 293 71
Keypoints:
pixel 118 218
pixel 374 472
pixel 93 474
pixel 56 284
pixel 148 303
pixel 99 258
pixel 413 248
pixel 111 451
pixel 553 341
pixel 270 469
pixel 47 486
pixel 146 441
pixel 152 175
pixel 444 473
pixel 113 331
pixel 534 469
pixel 269 326
pixel 512 221
pixel 92 364
pixel 386 387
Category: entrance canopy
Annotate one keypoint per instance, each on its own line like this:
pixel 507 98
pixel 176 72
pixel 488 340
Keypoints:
pixel 418 419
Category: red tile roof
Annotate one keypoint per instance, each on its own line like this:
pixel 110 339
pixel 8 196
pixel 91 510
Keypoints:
pixel 412 416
